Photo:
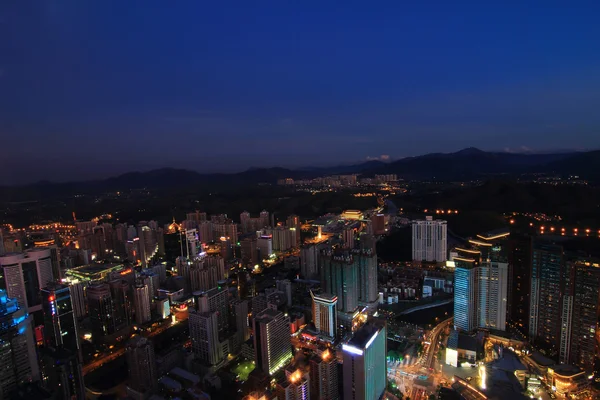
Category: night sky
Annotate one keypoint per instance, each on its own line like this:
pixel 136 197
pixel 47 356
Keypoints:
pixel 90 89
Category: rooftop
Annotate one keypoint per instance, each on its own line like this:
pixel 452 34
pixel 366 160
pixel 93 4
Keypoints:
pixel 364 334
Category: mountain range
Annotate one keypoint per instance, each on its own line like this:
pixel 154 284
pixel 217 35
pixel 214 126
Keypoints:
pixel 470 163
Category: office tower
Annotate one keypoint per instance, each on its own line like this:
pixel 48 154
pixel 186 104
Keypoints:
pixel 286 287
pixel 259 304
pixel 60 325
pixel 204 332
pixel 294 386
pixel 215 301
pixel 272 345
pixel 141 303
pixel 265 246
pixel 547 284
pixel 480 291
pixel 101 311
pixel 324 376
pixel 519 286
pixel 119 290
pixel 240 311
pixel 340 278
pixel 25 274
pixel 309 262
pixel 78 298
pixel 429 240
pixel 366 261
pixel 348 238
pixel 143 378
pixel 151 280
pixel 325 313
pixel 585 310
pixel 378 224
pixel 17 352
pixel 365 369
pixel 249 249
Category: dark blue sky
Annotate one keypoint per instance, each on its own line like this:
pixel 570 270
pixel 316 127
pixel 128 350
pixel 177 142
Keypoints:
pixel 96 88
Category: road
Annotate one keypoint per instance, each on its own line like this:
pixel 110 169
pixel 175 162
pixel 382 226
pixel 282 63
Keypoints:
pixel 433 338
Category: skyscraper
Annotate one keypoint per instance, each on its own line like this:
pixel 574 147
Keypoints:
pixel 586 308
pixel 25 274
pixel 324 376
pixel 101 311
pixel 339 276
pixel 17 350
pixel 141 303
pixel 365 367
pixel 547 286
pixel 214 300
pixel 429 240
pixel 325 313
pixel 120 293
pixel 285 286
pixel 348 238
pixel 143 378
pixel 240 311
pixel 205 337
pixel 60 325
pixel 309 261
pixel 272 345
pixel 519 286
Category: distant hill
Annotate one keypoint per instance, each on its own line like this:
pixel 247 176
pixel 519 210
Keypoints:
pixel 473 163
pixel 470 163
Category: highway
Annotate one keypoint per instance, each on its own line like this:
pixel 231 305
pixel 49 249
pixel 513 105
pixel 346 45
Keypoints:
pixel 433 338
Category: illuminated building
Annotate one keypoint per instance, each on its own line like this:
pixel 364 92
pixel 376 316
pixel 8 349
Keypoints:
pixel 204 333
pixel 95 272
pixel 324 376
pixel 101 311
pixel 141 303
pixel 214 300
pixel 272 343
pixel 352 215
pixel 17 348
pixel 339 276
pixel 547 286
pixel 143 377
pixel 569 381
pixel 295 386
pixel 365 369
pixel 226 229
pixel 25 274
pixel 429 240
pixel 293 221
pixel 325 313
pixel 283 238
pixel 77 298
pixel 309 262
pixel 60 325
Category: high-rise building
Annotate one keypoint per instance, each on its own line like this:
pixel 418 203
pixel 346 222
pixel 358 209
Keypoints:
pixel 294 386
pixel 101 311
pixel 204 332
pixel 584 348
pixel 141 303
pixel 62 373
pixel 78 298
pixel 264 244
pixel 240 311
pixel 325 313
pixel 293 222
pixel 348 238
pixel 143 377
pixel 324 376
pixel 17 350
pixel 25 274
pixel 429 240
pixel 215 301
pixel 547 286
pixel 365 369
pixel 60 324
pixel 519 286
pixel 249 249
pixel 264 219
pixel 285 286
pixel 283 238
pixel 339 276
pixel 120 293
pixel 309 261
pixel 272 345
pixel 378 224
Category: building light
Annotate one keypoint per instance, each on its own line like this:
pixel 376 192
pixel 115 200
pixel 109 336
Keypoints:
pixel 352 349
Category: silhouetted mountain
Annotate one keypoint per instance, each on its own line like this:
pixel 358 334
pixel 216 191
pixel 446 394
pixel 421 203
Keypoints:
pixel 470 163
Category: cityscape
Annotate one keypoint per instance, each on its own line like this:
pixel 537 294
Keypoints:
pixel 295 201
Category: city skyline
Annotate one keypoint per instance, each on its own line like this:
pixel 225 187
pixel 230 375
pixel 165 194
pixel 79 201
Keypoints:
pixel 288 83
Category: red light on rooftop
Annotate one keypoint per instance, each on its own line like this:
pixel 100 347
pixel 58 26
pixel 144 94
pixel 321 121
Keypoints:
pixel 51 298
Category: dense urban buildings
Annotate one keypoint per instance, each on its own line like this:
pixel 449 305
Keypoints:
pixel 272 345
